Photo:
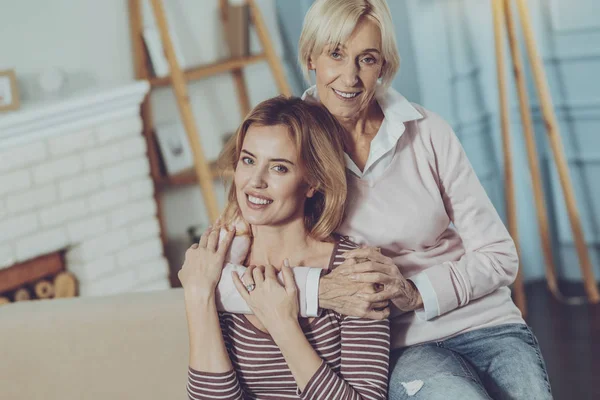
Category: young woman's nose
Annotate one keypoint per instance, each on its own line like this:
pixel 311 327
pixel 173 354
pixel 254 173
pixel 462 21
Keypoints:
pixel 258 179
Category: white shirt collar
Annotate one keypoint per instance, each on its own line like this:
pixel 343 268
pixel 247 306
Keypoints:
pixel 396 109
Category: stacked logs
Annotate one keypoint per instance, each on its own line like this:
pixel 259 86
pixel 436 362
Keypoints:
pixel 62 285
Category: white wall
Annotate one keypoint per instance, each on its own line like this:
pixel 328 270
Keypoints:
pixel 89 41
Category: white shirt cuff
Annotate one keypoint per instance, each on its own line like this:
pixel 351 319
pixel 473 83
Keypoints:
pixel 431 308
pixel 312 292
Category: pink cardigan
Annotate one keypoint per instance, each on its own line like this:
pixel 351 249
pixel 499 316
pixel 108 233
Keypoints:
pixel 428 212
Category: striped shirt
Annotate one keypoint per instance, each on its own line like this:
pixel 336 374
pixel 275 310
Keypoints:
pixel 355 354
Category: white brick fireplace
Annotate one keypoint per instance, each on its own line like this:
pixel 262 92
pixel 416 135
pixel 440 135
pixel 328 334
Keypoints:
pixel 74 175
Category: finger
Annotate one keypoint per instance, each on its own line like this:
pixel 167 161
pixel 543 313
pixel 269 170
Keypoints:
pixel 194 246
pixel 288 280
pixel 213 239
pixel 372 277
pixel 204 237
pixel 248 278
pixel 384 295
pixel 378 314
pixel 270 272
pixel 226 242
pixel 370 266
pixel 258 275
pixel 240 286
pixel 372 253
pixel 380 305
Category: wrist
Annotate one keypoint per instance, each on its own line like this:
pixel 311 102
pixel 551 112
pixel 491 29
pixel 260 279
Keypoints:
pixel 324 289
pixel 283 329
pixel 199 296
pixel 417 299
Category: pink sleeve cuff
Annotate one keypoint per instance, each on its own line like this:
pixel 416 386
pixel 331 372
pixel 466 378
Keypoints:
pixel 431 308
pixel 441 277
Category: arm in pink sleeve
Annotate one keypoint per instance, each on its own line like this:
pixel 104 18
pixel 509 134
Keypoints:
pixel 490 260
pixel 229 300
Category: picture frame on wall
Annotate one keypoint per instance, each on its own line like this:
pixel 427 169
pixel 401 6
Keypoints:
pixel 174 147
pixel 9 91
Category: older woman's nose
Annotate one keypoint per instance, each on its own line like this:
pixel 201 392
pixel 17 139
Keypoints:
pixel 350 74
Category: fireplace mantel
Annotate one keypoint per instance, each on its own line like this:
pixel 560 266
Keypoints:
pixel 38 120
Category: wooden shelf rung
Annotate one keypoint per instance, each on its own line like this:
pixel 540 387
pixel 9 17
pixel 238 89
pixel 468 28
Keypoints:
pixel 205 71
pixel 188 177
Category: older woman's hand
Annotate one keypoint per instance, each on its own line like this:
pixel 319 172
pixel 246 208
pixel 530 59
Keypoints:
pixel 367 266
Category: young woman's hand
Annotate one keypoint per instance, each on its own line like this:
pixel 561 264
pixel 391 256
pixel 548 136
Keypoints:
pixel 201 270
pixel 271 302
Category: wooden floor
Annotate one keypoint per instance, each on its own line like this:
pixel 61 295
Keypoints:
pixel 570 340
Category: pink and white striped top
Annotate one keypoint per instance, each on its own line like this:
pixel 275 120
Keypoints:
pixel 355 354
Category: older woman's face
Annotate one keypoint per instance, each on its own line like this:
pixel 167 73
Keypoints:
pixel 347 75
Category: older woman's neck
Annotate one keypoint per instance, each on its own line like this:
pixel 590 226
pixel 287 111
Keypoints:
pixel 365 124
pixel 272 244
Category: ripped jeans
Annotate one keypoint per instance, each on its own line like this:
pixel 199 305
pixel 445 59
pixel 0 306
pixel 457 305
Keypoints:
pixel 500 362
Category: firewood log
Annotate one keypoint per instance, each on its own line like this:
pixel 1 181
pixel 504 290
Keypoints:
pixel 44 289
pixel 22 295
pixel 65 285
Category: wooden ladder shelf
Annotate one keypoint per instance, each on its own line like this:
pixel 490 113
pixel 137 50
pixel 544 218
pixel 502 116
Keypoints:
pixel 203 172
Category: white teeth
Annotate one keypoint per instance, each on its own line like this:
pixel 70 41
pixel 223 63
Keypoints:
pixel 346 95
pixel 256 200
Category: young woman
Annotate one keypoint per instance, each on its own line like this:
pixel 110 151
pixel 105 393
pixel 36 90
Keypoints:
pixel 290 186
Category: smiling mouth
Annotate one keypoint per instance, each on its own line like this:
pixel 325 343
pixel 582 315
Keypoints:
pixel 346 95
pixel 258 201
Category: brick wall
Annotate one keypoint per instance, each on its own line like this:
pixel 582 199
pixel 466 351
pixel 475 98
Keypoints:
pixel 88 191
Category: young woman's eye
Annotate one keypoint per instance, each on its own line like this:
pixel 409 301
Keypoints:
pixel 247 160
pixel 280 168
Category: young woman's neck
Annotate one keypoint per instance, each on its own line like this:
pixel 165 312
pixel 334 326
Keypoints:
pixel 272 244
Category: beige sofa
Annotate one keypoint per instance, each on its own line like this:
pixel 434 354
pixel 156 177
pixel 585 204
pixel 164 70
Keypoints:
pixel 128 346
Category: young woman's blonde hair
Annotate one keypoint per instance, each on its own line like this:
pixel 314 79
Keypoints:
pixel 318 137
pixel 331 22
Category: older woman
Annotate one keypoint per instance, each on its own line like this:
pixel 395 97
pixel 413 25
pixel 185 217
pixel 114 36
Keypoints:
pixel 440 253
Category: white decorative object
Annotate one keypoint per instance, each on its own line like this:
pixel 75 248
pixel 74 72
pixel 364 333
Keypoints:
pixel 51 80
pixel 174 147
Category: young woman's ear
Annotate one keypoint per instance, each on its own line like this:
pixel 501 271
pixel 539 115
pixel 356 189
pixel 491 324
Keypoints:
pixel 311 192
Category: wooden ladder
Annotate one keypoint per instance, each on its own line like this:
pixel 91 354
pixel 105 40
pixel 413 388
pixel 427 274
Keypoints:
pixel 202 173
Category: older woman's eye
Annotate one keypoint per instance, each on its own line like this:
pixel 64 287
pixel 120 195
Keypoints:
pixel 335 55
pixel 370 60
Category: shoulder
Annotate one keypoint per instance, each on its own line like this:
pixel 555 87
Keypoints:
pixel 432 126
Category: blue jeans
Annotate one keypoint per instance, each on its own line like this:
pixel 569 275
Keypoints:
pixel 500 362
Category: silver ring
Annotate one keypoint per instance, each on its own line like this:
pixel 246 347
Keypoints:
pixel 250 287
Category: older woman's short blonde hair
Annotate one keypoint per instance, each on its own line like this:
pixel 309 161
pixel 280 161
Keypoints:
pixel 318 138
pixel 331 22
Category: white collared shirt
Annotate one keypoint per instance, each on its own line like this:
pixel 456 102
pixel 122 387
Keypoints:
pixel 396 110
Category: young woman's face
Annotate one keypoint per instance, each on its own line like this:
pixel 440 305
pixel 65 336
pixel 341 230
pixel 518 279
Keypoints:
pixel 270 182
pixel 347 76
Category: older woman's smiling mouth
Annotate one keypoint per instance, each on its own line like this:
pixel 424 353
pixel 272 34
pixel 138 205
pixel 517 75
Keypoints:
pixel 346 95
